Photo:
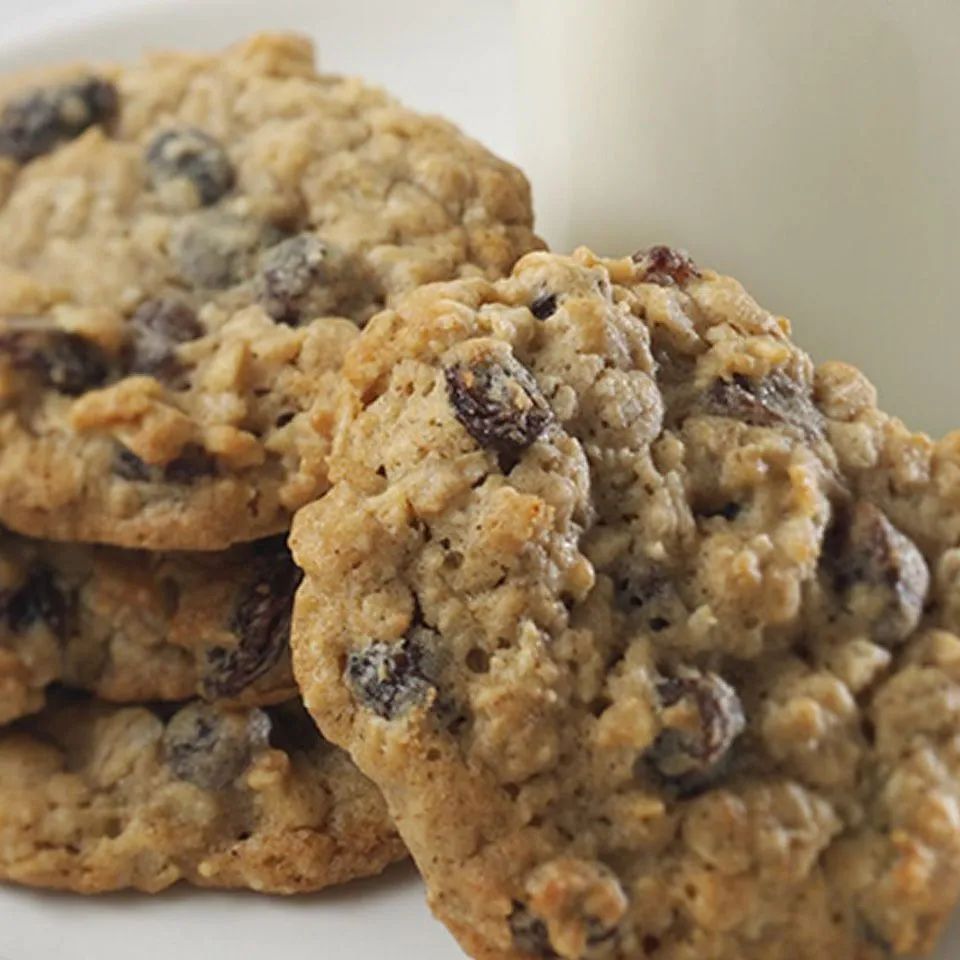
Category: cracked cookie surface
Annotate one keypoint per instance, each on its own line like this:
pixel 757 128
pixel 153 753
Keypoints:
pixel 187 246
pixel 646 628
pixel 95 798
pixel 134 626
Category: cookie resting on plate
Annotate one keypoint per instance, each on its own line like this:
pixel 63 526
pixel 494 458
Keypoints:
pixel 95 797
pixel 187 245
pixel 646 628
pixel 133 626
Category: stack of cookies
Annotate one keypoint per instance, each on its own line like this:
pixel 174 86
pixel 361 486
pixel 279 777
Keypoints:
pixel 187 248
pixel 645 630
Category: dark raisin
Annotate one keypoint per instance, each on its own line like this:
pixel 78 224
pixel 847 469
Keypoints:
pixel 39 600
pixel 128 466
pixel 261 624
pixel 775 400
pixel 188 154
pixel 69 363
pixel 388 678
pixel 544 306
pixel 874 937
pixel 156 328
pixel 530 933
pixel 288 273
pixel 666 266
pixel 214 250
pixel 36 122
pixel 292 729
pixel 500 405
pixel 702 717
pixel 194 462
pixel 879 573
pixel 729 510
pixel 72 364
pixel 210 747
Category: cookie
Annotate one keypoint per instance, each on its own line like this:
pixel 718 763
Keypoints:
pixel 96 798
pixel 132 626
pixel 606 602
pixel 187 245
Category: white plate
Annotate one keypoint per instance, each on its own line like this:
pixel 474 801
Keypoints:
pixel 455 58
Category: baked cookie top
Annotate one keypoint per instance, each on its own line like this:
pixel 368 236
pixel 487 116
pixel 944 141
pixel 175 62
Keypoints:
pixel 605 600
pixel 187 245
pixel 135 626
pixel 96 797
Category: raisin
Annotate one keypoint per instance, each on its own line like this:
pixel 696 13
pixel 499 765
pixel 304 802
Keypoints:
pixel 210 747
pixel 72 364
pixel 874 937
pixel 156 328
pixel 261 624
pixel 194 462
pixel 69 363
pixel 191 155
pixel 544 306
pixel 36 122
pixel 879 573
pixel 530 933
pixel 128 466
pixel 729 510
pixel 775 400
pixel 389 679
pixel 288 272
pixel 666 266
pixel 702 717
pixel 500 405
pixel 213 250
pixel 39 600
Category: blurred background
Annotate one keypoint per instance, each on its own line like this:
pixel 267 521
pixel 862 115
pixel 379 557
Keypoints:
pixel 810 149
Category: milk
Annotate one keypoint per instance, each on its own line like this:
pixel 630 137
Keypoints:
pixel 810 148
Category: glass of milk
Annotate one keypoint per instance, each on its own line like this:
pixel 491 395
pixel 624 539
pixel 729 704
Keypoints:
pixel 812 149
